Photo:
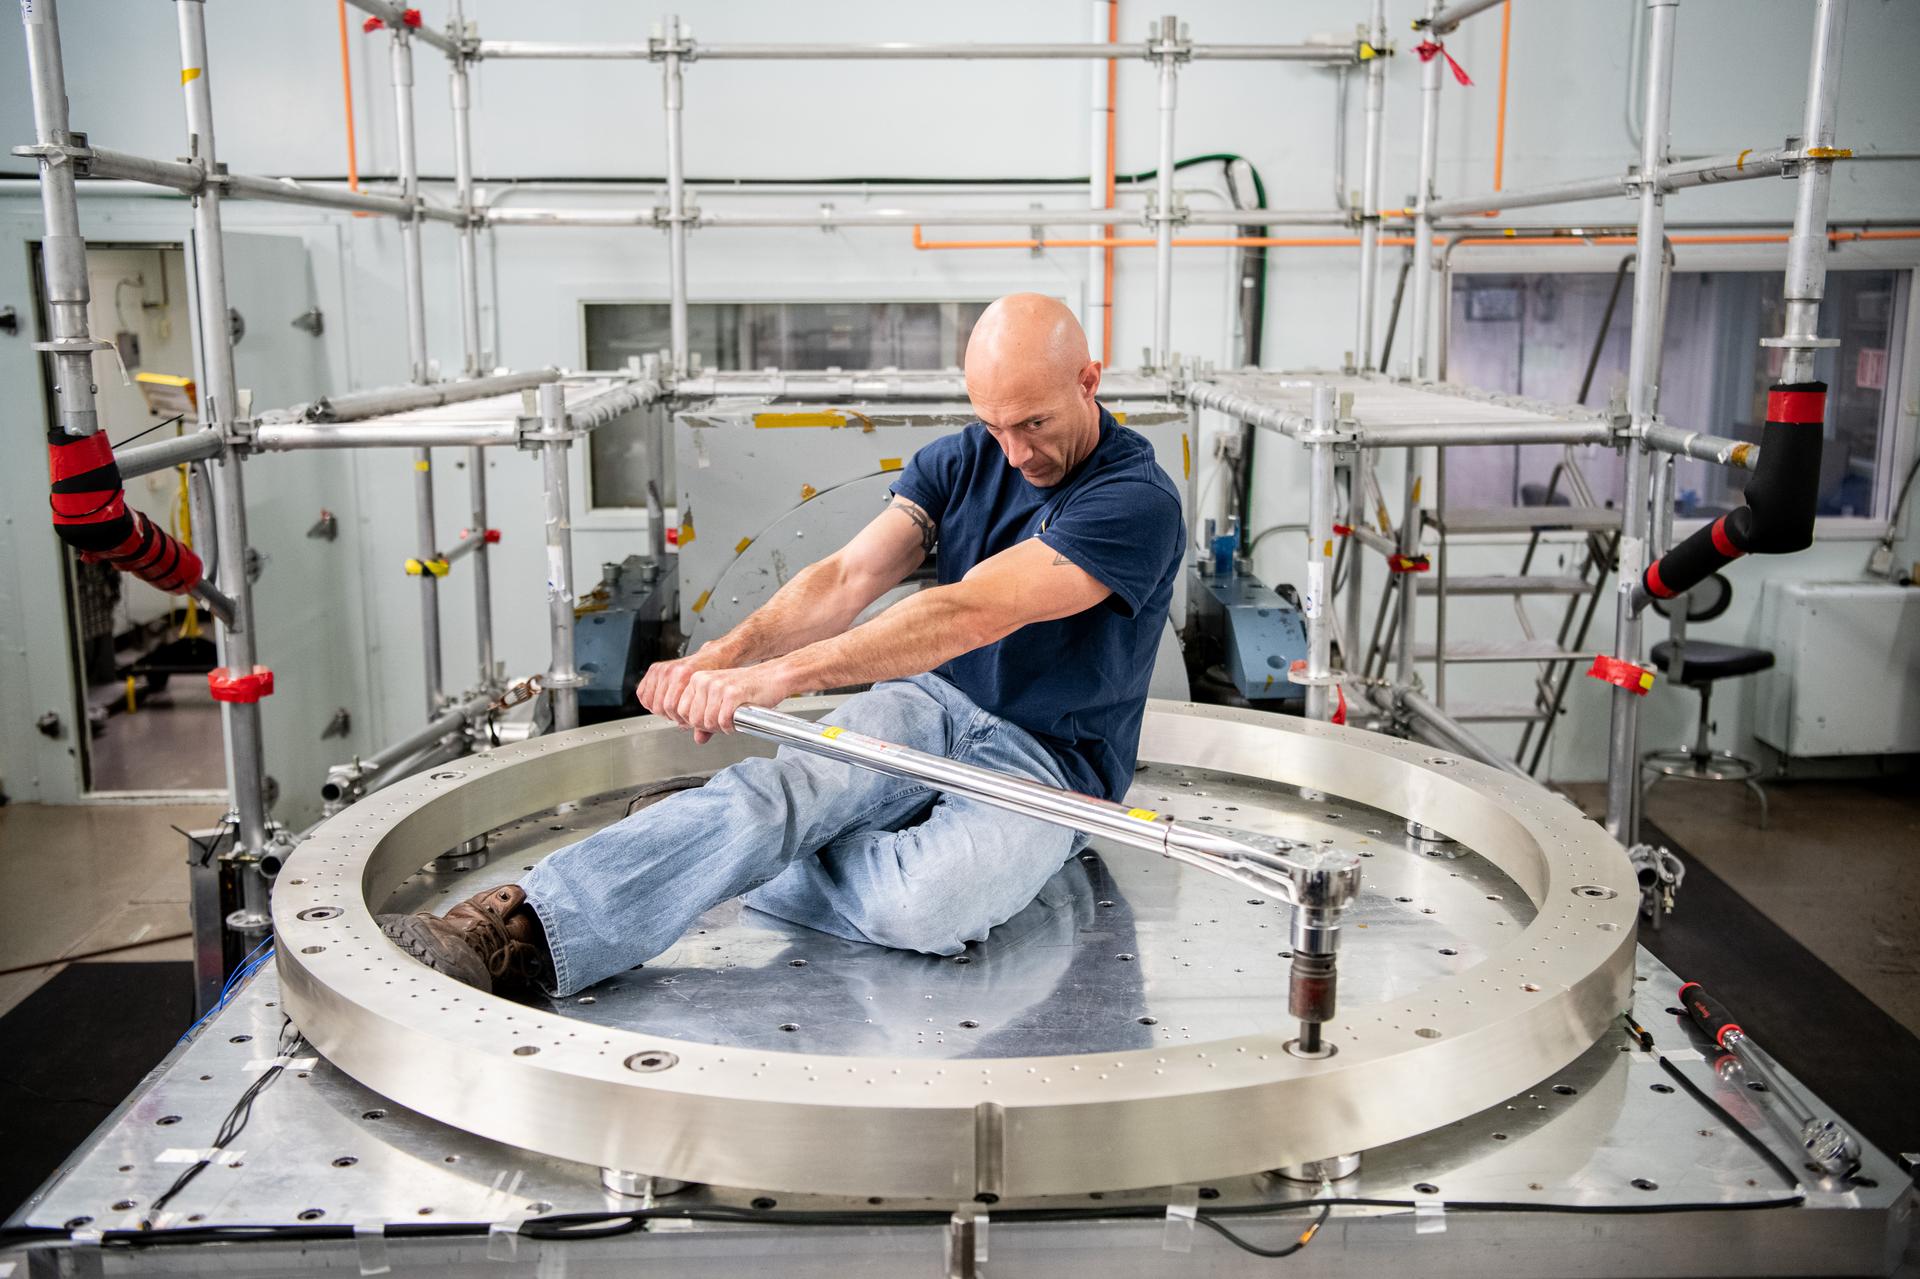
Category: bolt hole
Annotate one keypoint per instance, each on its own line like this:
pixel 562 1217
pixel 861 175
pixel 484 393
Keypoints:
pixel 1663 1088
pixel 526 1050
pixel 318 912
pixel 311 1214
pixel 1532 988
pixel 121 1205
pixel 240 1039
pixel 963 959
pixel 1209 1192
pixel 1641 1183
pixel 764 1202
pixel 1125 957
pixel 1565 1090
pixel 346 1161
pixel 1427 1032
pixel 796 963
pixel 1148 1021
pixel 789 1026
pixel 311 950
pixel 166 1120
pixel 986 1197
pixel 373 1114
pixel 1448 950
pixel 1426 1188
pixel 1757 1086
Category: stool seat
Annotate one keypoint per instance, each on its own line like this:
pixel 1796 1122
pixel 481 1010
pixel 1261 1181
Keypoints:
pixel 1707 661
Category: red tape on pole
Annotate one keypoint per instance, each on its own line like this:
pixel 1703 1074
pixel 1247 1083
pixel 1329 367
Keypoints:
pixel 1797 408
pixel 1636 679
pixel 250 687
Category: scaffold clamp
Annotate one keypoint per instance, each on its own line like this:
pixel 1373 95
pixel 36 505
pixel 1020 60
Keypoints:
pixel 1408 563
pixel 1636 679
pixel 437 567
pixel 225 686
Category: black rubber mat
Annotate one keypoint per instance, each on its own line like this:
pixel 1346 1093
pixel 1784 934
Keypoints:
pixel 72 1051
pixel 1857 1059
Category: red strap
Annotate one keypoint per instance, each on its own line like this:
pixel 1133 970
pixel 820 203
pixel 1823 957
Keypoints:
pixel 1343 530
pixel 1427 48
pixel 372 24
pixel 1721 542
pixel 1655 587
pixel 1797 408
pixel 1340 711
pixel 1408 563
pixel 228 687
pixel 1622 674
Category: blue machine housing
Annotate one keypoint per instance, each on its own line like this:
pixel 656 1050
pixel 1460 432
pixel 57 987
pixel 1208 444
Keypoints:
pixel 1263 634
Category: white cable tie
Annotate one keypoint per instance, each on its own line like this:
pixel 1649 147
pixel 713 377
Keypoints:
pixel 1430 1217
pixel 85 1238
pixel 1182 1209
pixel 503 1239
pixel 370 1243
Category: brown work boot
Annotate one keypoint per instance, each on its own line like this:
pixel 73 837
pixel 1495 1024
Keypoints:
pixel 492 941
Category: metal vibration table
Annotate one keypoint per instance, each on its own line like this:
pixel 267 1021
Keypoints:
pixel 1609 1165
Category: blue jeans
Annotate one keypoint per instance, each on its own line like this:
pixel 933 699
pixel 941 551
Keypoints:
pixel 820 843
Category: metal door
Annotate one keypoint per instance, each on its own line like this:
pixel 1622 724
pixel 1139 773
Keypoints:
pixel 306 605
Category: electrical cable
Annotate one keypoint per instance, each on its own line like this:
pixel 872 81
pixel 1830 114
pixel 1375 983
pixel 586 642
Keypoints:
pixel 254 961
pixel 95 954
pixel 234 1124
pixel 605 1225
pixel 1246 1245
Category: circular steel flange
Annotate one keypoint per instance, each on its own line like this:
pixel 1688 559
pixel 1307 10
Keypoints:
pixel 739 1116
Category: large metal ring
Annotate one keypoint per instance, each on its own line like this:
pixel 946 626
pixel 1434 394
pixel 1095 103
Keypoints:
pixel 1011 1126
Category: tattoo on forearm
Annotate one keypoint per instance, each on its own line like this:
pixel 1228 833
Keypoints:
pixel 1060 559
pixel 929 533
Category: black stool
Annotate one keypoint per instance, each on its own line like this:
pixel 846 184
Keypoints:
pixel 1702 664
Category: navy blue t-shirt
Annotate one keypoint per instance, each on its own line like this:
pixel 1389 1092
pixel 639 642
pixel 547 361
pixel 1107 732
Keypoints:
pixel 1078 684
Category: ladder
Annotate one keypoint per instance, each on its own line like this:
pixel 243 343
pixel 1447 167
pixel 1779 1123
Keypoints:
pixel 1547 651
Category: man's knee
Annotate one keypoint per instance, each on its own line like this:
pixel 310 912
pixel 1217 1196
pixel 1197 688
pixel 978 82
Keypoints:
pixel 918 922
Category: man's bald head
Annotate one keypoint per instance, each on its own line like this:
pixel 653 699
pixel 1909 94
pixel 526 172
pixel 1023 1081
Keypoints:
pixel 1033 383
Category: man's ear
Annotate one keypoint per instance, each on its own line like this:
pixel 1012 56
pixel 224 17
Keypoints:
pixel 1090 379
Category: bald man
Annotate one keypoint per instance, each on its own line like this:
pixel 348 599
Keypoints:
pixel 1059 540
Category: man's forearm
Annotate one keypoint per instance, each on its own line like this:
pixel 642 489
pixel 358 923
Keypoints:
pixel 811 606
pixel 914 636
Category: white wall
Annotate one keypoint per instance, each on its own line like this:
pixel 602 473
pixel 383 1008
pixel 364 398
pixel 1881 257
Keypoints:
pixel 275 77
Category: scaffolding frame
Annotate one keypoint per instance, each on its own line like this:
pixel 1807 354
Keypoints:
pixel 1333 415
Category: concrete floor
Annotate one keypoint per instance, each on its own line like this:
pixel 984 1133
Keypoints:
pixel 86 877
pixel 1836 868
pixel 172 742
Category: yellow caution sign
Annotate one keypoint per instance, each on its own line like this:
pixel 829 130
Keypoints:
pixel 831 733
pixel 702 601
pixel 742 545
pixel 1143 814
pixel 890 463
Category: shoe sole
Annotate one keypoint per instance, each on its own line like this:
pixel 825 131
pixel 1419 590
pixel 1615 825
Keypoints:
pixel 412 935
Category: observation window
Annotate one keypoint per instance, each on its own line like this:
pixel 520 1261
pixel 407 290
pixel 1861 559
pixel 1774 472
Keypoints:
pixel 625 454
pixel 1536 335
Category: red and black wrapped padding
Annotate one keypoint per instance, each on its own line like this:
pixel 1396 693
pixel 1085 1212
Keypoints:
pixel 90 513
pixel 1708 1015
pixel 1781 497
